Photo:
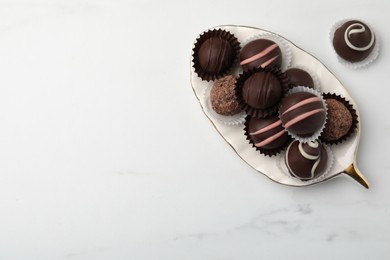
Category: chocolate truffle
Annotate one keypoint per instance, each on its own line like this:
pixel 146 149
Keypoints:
pixel 260 53
pixel 302 113
pixel 299 77
pixel 262 90
pixel 354 41
pixel 215 53
pixel 306 161
pixel 266 133
pixel 223 98
pixel 339 121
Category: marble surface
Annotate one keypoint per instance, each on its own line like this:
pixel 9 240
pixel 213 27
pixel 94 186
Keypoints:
pixel 106 154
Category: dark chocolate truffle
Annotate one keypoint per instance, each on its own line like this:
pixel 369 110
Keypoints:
pixel 215 53
pixel 306 161
pixel 339 121
pixel 260 53
pixel 354 41
pixel 222 96
pixel 299 77
pixel 266 133
pixel 262 90
pixel 302 113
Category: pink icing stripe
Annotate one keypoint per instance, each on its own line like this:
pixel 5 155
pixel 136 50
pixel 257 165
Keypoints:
pixel 303 116
pixel 259 55
pixel 302 103
pixel 270 139
pixel 268 62
pixel 268 127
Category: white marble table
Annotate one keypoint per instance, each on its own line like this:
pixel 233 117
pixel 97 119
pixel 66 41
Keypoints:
pixel 105 153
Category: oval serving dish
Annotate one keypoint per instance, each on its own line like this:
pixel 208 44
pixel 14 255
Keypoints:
pixel 344 153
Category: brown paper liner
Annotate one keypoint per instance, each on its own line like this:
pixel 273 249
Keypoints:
pixel 256 112
pixel 350 108
pixel 266 152
pixel 204 75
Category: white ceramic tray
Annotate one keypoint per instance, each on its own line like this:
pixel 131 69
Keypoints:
pixel 344 154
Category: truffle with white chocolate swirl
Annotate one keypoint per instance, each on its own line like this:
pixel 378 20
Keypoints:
pixel 306 161
pixel 354 41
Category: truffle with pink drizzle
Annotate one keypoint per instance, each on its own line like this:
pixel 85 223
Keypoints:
pixel 306 161
pixel 260 53
pixel 266 133
pixel 302 113
pixel 354 41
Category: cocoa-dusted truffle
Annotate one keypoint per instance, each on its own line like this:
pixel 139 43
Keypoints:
pixel 260 53
pixel 222 96
pixel 339 121
pixel 306 161
pixel 266 133
pixel 302 113
pixel 215 53
pixel 354 41
pixel 299 77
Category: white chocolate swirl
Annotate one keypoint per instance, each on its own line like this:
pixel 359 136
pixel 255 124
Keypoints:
pixel 361 29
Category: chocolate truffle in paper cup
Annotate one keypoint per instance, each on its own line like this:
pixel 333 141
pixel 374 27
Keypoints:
pixel 354 42
pixel 227 104
pixel 214 54
pixel 303 113
pixel 306 161
pixel 264 50
pixel 260 53
pixel 267 134
pixel 299 77
pixel 259 91
pixel 341 120
pixel 222 96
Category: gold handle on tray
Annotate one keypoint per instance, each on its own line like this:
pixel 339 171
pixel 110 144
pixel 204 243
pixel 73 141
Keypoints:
pixel 353 172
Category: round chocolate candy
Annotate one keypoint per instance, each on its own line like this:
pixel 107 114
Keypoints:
pixel 354 41
pixel 215 55
pixel 260 53
pixel 299 77
pixel 306 161
pixel 266 133
pixel 302 113
pixel 222 96
pixel 262 90
pixel 339 121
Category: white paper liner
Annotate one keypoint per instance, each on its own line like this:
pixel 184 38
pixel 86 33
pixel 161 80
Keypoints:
pixel 283 168
pixel 360 64
pixel 314 76
pixel 316 134
pixel 236 119
pixel 284 47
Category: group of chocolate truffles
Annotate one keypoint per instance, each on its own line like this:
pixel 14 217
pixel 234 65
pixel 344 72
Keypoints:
pixel 284 110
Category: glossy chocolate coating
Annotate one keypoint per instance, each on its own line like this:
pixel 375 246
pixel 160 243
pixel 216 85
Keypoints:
pixel 260 53
pixel 262 90
pixel 354 41
pixel 215 55
pixel 299 77
pixel 339 121
pixel 267 133
pixel 302 113
pixel 306 161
